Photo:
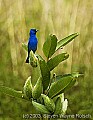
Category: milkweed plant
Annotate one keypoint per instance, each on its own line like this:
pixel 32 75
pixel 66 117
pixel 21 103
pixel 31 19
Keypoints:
pixel 47 95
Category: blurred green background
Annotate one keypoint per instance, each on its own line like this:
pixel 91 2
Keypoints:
pixel 59 17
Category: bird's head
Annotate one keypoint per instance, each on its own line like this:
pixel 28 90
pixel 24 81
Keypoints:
pixel 33 31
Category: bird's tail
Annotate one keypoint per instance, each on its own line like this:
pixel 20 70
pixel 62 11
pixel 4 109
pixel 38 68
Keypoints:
pixel 27 60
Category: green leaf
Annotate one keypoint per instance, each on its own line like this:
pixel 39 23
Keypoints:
pixel 41 108
pixel 39 57
pixel 73 81
pixel 38 88
pixel 11 92
pixel 57 87
pixel 53 62
pixel 66 40
pixel 70 85
pixel 28 88
pixel 50 46
pixel 74 75
pixel 25 46
pixel 45 74
pixel 49 103
pixel 58 77
pixel 58 106
pixel 33 59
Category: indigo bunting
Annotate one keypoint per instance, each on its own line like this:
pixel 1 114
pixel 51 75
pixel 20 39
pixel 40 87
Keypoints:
pixel 32 43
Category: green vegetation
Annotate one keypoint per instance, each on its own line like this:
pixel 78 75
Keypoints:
pixel 61 18
pixel 46 88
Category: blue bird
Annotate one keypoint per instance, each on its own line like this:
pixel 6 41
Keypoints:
pixel 32 43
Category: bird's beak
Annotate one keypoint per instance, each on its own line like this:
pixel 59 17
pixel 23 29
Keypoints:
pixel 37 30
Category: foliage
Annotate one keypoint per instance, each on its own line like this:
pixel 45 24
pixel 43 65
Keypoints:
pixel 45 88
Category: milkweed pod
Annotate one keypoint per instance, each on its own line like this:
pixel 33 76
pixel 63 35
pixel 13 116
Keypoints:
pixel 41 108
pixel 28 88
pixel 33 59
pixel 49 103
pixel 38 89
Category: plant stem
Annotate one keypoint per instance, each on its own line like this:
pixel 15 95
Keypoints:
pixel 47 59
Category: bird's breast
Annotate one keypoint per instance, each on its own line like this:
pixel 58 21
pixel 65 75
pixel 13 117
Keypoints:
pixel 32 43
